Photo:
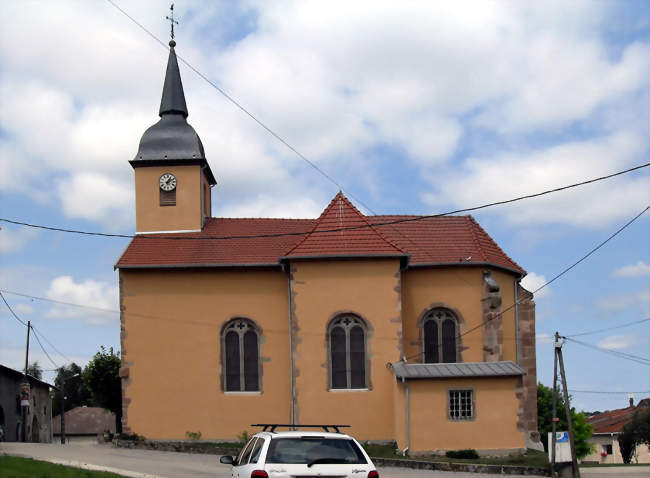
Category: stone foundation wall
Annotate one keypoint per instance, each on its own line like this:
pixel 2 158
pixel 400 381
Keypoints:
pixel 527 360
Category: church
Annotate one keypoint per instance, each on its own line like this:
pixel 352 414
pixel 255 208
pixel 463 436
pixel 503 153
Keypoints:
pixel 408 329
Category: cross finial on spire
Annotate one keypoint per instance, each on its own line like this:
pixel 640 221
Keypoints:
pixel 170 17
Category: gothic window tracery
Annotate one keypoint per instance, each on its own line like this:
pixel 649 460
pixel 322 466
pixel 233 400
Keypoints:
pixel 241 357
pixel 439 332
pixel 347 354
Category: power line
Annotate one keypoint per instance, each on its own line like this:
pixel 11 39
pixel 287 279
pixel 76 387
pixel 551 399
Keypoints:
pixel 12 310
pixel 615 353
pixel 33 329
pixel 567 269
pixel 324 231
pixel 53 346
pixel 43 348
pixel 557 276
pixel 239 105
pixel 634 358
pixel 71 304
pixel 500 314
pixel 609 328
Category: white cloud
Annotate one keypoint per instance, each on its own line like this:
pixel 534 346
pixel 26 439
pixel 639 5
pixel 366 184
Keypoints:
pixel 482 180
pixel 533 282
pixel 23 309
pixel 635 300
pixel 633 270
pixel 617 342
pixel 544 339
pixel 15 239
pixel 334 86
pixel 97 197
pixel 90 293
pixel 267 206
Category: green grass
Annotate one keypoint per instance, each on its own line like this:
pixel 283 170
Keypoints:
pixel 16 467
pixel 530 458
pixel 606 465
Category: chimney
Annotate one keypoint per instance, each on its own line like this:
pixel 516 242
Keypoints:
pixel 631 397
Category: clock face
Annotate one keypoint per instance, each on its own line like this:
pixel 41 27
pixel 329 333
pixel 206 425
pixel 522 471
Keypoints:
pixel 167 182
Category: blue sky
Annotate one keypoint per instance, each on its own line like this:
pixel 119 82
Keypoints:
pixel 414 107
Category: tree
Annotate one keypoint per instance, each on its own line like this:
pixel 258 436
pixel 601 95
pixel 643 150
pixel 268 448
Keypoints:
pixel 102 376
pixel 582 430
pixel 634 433
pixel 35 370
pixel 74 388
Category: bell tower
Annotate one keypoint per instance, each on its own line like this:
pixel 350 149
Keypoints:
pixel 173 179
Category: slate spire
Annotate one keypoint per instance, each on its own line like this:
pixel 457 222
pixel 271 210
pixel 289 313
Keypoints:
pixel 173 97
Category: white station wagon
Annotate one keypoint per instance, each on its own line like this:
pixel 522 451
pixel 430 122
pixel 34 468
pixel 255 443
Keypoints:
pixel 304 454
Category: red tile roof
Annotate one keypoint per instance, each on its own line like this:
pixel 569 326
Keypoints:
pixel 433 241
pixel 613 421
pixel 341 230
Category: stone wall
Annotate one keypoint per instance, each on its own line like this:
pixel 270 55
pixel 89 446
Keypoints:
pixel 527 360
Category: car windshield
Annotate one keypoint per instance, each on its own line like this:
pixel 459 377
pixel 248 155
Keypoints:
pixel 312 450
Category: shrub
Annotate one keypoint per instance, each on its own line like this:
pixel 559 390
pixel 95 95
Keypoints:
pixel 193 435
pixel 468 454
pixel 243 437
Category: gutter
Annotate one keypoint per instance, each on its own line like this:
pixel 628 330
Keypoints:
pixel 517 320
pixel 408 418
pixel 292 399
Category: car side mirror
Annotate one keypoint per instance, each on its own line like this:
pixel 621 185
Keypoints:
pixel 227 460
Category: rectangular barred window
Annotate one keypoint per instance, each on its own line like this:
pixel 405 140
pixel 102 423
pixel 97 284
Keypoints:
pixel 461 405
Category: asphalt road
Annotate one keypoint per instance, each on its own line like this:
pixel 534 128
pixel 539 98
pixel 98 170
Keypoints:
pixel 159 464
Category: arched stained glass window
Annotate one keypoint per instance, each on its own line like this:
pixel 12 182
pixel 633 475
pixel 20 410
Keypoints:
pixel 241 363
pixel 439 332
pixel 347 339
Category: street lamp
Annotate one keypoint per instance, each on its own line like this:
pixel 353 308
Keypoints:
pixel 63 397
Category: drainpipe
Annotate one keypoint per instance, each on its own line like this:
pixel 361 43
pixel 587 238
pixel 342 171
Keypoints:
pixel 517 321
pixel 408 418
pixel 291 364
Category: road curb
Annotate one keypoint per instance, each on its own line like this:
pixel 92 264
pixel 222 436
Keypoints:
pixel 462 467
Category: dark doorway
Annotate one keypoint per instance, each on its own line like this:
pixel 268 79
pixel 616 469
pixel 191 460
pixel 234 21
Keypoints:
pixel 3 428
pixel 35 430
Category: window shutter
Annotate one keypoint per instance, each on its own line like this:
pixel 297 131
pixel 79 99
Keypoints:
pixel 232 362
pixel 337 345
pixel 251 382
pixel 357 358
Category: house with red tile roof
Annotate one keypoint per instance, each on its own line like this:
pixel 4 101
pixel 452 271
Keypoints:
pixel 409 329
pixel 608 426
pixel 85 425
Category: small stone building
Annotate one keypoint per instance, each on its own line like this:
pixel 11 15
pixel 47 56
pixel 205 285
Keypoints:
pixel 85 424
pixel 607 427
pixel 39 411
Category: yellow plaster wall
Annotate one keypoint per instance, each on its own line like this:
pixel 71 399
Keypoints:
pixel 206 197
pixel 150 216
pixel 459 289
pixel 494 426
pixel 174 357
pixel 321 290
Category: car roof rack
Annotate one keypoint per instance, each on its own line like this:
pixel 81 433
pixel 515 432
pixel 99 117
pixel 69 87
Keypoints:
pixel 270 427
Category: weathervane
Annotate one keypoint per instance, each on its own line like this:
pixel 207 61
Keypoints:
pixel 172 21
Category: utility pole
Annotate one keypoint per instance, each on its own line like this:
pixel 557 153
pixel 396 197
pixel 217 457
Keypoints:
pixel 63 397
pixel 24 390
pixel 62 406
pixel 567 407
pixel 554 419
